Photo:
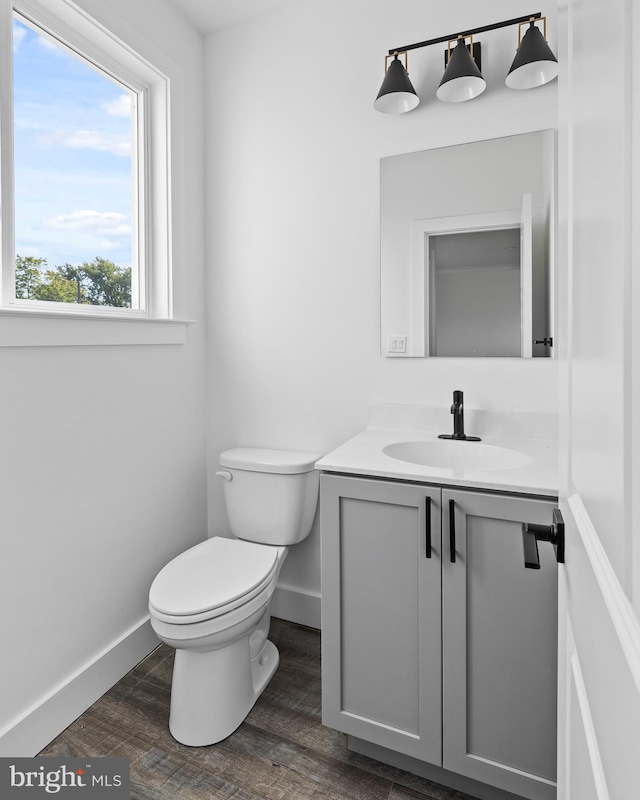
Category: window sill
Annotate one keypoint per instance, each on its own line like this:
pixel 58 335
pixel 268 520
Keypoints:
pixel 21 328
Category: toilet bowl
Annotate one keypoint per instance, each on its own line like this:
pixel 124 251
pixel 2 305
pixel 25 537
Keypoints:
pixel 211 603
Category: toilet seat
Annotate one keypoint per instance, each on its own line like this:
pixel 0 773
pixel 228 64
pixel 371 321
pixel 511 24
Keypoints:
pixel 212 579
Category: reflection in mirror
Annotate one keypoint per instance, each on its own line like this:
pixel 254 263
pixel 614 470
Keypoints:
pixel 474 283
pixel 467 249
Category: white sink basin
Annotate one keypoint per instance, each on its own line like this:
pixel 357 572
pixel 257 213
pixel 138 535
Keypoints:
pixel 459 456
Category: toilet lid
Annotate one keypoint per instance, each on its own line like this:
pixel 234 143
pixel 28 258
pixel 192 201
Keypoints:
pixel 212 574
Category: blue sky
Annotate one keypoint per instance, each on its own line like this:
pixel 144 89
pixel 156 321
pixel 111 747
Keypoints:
pixel 72 156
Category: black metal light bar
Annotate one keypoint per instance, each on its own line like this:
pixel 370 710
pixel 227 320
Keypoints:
pixel 534 65
pixel 472 32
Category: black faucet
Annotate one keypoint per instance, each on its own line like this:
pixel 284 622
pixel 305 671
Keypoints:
pixel 457 409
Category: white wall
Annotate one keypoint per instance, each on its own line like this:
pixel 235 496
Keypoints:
pixel 597 226
pixel 102 461
pixel 293 147
pixel 599 585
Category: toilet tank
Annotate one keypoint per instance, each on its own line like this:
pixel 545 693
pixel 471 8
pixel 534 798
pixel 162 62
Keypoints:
pixel 270 495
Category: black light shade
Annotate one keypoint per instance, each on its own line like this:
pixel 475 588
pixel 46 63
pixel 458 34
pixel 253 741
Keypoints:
pixel 462 80
pixel 396 95
pixel 534 64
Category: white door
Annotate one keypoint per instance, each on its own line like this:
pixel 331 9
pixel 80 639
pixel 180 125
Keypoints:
pixel 599 348
pixel 423 264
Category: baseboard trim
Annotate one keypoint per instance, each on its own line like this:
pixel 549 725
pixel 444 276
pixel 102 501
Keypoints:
pixel 622 613
pixel 296 605
pixel 29 733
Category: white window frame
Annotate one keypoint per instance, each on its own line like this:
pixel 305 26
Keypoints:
pixel 27 322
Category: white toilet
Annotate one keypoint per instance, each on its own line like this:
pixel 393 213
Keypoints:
pixel 212 602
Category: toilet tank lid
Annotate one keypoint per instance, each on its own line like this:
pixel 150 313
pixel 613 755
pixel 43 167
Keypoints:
pixel 256 459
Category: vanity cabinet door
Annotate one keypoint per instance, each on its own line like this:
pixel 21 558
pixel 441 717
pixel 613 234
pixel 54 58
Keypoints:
pixel 381 613
pixel 499 645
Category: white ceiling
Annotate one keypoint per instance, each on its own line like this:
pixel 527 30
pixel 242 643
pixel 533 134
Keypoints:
pixel 211 15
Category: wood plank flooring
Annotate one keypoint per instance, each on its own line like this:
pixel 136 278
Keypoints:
pixel 280 752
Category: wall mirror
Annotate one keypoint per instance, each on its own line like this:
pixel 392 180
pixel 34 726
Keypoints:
pixel 466 249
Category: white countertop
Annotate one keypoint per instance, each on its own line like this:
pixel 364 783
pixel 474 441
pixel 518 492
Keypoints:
pixel 363 454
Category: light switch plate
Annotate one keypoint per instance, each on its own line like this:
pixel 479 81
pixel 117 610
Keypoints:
pixel 397 344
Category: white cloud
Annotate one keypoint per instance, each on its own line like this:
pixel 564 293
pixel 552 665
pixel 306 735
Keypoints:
pixel 18 36
pixel 108 246
pixel 94 140
pixel 120 107
pixel 31 250
pixel 98 223
pixel 50 46
pixel 115 144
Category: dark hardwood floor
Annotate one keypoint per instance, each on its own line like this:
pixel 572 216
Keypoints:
pixel 280 752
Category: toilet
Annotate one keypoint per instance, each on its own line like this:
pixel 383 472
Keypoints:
pixel 211 603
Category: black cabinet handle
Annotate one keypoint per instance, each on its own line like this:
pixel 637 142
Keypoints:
pixel 452 531
pixel 427 526
pixel 530 544
pixel 532 534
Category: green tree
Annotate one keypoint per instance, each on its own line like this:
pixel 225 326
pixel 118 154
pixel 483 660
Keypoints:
pixel 99 282
pixel 71 282
pixel 58 288
pixel 106 284
pixel 29 276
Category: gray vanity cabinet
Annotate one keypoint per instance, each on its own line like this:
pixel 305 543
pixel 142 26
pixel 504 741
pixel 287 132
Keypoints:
pixel 381 613
pixel 499 634
pixel 452 662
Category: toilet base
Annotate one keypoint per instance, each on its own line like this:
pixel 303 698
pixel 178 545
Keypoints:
pixel 212 692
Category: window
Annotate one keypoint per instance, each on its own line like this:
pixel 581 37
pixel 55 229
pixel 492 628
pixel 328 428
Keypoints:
pixel 74 177
pixel 85 172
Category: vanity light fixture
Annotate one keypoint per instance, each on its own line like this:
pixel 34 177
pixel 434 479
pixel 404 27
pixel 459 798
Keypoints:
pixel 534 65
pixel 462 79
pixel 396 95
